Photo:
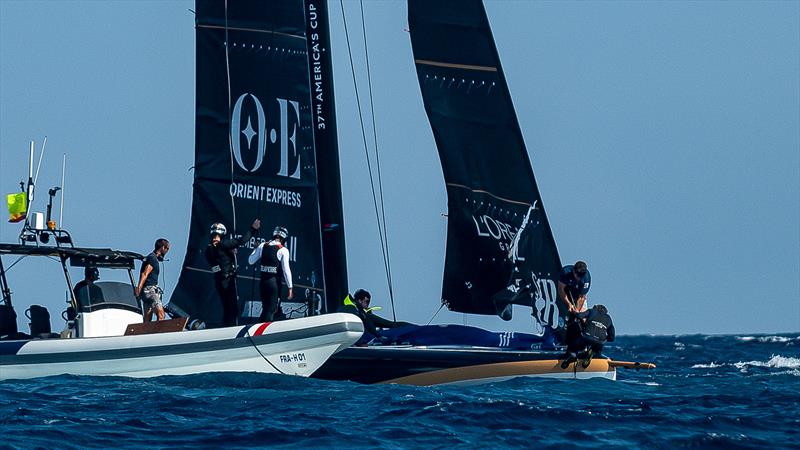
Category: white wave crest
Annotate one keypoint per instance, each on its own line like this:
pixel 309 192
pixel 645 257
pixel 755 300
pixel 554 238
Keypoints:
pixel 768 339
pixel 646 383
pixel 776 362
pixel 784 362
pixel 712 365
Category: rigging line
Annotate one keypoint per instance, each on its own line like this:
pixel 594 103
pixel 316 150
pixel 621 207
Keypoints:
pixel 230 138
pixel 378 164
pixel 250 338
pixel 163 271
pixel 364 139
pixel 15 263
pixel 435 314
pixel 255 277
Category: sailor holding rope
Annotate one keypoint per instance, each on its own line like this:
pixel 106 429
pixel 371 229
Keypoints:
pixel 573 285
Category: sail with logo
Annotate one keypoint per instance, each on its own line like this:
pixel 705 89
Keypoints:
pixel 254 147
pixel 491 189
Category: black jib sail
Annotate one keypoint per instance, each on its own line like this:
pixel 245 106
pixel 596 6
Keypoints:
pixel 491 189
pixel 254 146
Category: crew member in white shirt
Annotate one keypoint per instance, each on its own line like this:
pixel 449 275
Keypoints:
pixel 273 260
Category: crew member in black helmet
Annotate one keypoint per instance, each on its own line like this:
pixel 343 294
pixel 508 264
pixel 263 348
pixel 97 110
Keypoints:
pixel 592 329
pixel 273 258
pixel 573 285
pixel 221 256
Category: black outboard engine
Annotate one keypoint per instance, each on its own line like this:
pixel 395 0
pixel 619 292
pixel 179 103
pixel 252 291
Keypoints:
pixel 8 322
pixel 39 321
pixel 191 323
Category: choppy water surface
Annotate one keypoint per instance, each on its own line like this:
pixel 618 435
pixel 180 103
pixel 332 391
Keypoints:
pixel 708 391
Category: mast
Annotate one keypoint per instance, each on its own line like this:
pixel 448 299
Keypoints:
pixel 327 151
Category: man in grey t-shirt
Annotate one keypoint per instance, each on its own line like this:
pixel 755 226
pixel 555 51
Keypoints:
pixel 148 290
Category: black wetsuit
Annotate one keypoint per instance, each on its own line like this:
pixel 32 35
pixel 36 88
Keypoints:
pixel 594 332
pixel 270 284
pixel 370 331
pixel 371 321
pixel 222 260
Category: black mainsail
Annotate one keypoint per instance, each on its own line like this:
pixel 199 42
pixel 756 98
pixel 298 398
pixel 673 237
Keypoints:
pixel 491 189
pixel 254 145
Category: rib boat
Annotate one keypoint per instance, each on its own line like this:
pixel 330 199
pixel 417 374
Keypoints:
pixel 104 332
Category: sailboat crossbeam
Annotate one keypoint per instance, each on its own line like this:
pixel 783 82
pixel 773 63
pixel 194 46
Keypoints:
pixel 253 30
pixel 481 191
pixel 456 66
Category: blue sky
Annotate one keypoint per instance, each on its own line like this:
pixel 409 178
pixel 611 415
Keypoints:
pixel 665 138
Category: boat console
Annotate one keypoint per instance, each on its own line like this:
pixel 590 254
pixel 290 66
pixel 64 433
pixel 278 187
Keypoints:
pixel 105 308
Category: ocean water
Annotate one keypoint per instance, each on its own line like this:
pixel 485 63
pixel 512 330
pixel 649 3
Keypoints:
pixel 707 392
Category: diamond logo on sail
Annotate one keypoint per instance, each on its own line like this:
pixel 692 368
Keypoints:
pixel 287 132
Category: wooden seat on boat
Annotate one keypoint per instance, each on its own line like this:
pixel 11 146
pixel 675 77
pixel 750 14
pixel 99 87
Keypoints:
pixel 160 326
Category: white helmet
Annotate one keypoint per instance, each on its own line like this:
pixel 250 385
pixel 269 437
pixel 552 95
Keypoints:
pixel 280 232
pixel 219 229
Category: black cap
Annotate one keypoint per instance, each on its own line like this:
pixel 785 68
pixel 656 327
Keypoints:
pixel 91 272
pixel 580 268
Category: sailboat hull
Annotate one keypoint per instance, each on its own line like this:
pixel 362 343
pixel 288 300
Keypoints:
pixel 426 366
pixel 292 347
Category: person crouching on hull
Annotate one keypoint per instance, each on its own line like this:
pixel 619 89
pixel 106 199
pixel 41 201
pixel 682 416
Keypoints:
pixel 589 332
pixel 273 258
pixel 221 257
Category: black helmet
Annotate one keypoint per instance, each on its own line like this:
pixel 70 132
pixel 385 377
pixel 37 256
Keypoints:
pixel 219 229
pixel 280 232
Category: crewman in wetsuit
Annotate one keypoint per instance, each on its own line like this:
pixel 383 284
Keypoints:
pixel 273 257
pixel 358 304
pixel 221 257
pixel 573 285
pixel 589 332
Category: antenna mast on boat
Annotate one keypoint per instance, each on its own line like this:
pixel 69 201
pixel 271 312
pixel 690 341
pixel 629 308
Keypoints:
pixel 42 227
pixel 61 207
pixel 30 188
pixel 39 165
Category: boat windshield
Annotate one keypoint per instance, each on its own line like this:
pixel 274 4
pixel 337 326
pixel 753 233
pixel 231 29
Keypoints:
pixel 106 294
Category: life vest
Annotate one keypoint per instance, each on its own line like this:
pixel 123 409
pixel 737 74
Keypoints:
pixel 221 261
pixel 349 302
pixel 270 264
pixel 596 328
